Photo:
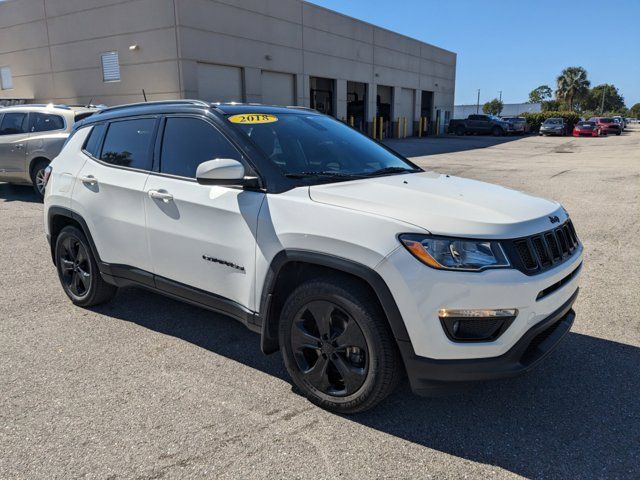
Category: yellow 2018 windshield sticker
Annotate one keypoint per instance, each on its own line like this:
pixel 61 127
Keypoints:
pixel 253 118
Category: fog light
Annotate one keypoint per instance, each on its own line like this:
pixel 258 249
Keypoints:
pixel 476 325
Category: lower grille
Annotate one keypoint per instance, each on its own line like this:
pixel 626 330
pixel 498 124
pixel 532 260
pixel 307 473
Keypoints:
pixel 531 353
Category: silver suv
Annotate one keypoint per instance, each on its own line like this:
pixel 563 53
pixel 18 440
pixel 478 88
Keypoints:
pixel 33 135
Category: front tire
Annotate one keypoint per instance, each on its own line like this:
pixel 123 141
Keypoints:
pixel 337 345
pixel 460 131
pixel 78 270
pixel 497 132
pixel 37 177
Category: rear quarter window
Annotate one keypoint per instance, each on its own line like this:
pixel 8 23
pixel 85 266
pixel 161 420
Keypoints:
pixel 94 140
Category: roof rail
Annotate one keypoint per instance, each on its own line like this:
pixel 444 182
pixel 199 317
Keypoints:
pixel 43 105
pixel 298 107
pixel 159 102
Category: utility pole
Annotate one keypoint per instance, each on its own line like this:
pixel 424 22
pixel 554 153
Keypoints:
pixel 500 92
pixel 478 103
pixel 602 103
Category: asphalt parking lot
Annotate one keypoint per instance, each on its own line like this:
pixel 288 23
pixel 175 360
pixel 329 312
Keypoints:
pixel 146 387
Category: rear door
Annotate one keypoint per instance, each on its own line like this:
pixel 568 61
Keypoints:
pixel 13 141
pixel 200 236
pixel 109 191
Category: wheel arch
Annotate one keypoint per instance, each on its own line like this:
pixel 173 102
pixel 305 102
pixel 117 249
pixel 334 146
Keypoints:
pixel 60 217
pixel 34 161
pixel 291 266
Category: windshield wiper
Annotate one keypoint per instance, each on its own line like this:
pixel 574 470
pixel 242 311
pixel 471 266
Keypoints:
pixel 386 170
pixel 323 173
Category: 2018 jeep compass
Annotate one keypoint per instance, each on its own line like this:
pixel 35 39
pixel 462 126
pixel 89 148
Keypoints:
pixel 351 260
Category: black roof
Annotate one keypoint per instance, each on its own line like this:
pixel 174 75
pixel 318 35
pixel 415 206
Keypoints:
pixel 234 108
pixel 184 106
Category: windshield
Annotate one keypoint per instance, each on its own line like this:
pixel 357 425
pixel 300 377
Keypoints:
pixel 587 124
pixel 553 121
pixel 607 120
pixel 309 144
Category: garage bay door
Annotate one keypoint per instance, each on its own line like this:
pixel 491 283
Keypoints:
pixel 277 88
pixel 219 83
pixel 407 108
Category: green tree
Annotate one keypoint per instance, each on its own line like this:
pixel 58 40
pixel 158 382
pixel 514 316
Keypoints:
pixel 540 94
pixel 550 106
pixel 606 95
pixel 634 112
pixel 493 107
pixel 572 85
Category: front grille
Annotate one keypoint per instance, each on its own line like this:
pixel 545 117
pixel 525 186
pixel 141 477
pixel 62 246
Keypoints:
pixel 540 252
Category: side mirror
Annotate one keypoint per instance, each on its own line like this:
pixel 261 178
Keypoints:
pixel 221 171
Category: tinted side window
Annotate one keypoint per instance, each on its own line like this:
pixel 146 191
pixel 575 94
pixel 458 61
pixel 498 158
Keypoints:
pixel 128 143
pixel 13 123
pixel 92 144
pixel 44 122
pixel 188 142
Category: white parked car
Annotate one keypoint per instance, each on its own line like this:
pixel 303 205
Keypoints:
pixel 354 262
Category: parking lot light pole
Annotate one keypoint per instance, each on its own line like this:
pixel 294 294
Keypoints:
pixel 478 103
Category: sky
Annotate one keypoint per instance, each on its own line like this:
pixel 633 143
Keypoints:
pixel 517 45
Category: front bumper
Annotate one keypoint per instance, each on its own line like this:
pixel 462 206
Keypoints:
pixel 427 375
pixel 551 131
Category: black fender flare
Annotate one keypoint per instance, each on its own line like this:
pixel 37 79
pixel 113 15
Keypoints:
pixel 65 212
pixel 269 337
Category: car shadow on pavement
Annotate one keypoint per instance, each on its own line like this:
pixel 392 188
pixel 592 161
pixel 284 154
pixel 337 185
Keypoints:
pixel 418 147
pixel 18 193
pixel 576 416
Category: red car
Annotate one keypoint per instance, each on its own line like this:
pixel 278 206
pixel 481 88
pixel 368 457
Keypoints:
pixel 607 124
pixel 588 129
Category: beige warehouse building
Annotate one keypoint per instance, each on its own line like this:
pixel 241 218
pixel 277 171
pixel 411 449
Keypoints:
pixel 285 52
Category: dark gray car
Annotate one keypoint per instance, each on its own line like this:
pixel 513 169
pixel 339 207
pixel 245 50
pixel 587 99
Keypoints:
pixel 554 126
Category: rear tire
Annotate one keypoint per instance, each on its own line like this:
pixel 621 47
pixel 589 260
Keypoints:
pixel 497 131
pixel 337 345
pixel 78 270
pixel 37 177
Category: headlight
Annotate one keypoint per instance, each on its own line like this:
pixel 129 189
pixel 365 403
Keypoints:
pixel 455 253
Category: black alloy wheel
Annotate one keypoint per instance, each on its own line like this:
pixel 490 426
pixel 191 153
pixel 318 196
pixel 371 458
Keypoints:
pixel 75 267
pixel 337 344
pixel 329 348
pixel 78 270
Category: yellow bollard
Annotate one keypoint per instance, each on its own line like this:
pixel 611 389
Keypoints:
pixel 405 127
pixel 381 126
pixel 374 127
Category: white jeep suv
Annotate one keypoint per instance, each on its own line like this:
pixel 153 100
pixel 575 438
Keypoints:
pixel 355 263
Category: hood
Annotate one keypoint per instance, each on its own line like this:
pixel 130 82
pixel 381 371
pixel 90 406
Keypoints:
pixel 445 205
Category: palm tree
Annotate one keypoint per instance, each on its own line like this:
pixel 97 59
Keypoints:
pixel 572 84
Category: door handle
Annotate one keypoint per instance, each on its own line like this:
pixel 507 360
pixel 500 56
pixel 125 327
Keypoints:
pixel 158 195
pixel 89 180
pixel 19 146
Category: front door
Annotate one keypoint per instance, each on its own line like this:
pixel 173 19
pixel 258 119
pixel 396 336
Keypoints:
pixel 200 236
pixel 13 141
